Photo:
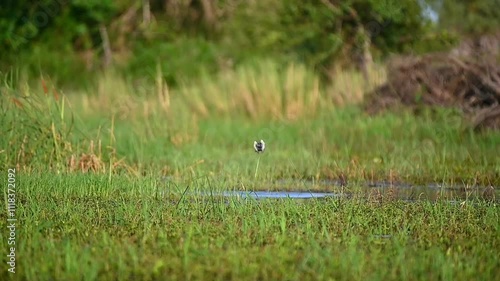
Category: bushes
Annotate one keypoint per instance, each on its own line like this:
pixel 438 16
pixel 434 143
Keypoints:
pixel 187 37
pixel 180 59
pixel 63 38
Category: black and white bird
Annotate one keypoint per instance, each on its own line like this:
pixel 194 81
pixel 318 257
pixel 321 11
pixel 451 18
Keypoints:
pixel 259 146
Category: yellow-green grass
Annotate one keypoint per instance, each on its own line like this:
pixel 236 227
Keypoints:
pixel 119 127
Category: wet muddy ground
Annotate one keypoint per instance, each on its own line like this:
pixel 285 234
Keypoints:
pixel 295 189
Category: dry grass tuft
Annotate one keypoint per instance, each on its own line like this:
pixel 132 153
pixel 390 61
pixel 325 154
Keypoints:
pixel 87 162
pixel 265 90
pixel 349 86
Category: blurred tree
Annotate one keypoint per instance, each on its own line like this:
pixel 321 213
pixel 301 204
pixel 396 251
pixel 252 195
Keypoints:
pixel 25 22
pixel 468 17
pixel 319 33
pixel 51 34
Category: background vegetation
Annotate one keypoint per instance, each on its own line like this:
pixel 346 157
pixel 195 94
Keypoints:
pixel 67 39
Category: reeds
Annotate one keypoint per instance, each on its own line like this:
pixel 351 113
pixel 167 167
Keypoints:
pixel 35 125
pixel 38 127
pixel 263 90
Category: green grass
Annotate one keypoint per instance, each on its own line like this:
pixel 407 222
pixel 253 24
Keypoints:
pixel 407 148
pixel 107 181
pixel 88 227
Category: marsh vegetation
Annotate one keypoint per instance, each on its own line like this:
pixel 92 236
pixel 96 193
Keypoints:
pixel 124 169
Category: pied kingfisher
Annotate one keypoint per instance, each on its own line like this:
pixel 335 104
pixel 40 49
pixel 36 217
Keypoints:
pixel 259 146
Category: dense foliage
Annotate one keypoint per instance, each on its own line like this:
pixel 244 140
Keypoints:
pixel 67 37
pixel 468 16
